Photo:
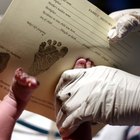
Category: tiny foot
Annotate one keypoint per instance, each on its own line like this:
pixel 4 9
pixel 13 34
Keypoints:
pixel 84 63
pixel 24 79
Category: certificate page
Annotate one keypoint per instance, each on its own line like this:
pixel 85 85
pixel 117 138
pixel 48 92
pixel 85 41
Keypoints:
pixel 45 37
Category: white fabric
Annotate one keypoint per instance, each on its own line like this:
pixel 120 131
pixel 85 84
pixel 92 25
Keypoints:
pixel 98 94
pixel 111 133
pixel 126 21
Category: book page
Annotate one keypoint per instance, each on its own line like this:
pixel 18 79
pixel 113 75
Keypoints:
pixel 45 37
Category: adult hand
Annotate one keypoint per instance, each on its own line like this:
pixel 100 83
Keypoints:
pixel 126 21
pixel 83 131
pixel 99 94
pixel 15 101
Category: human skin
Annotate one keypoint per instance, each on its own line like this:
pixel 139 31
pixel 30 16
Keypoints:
pixel 15 102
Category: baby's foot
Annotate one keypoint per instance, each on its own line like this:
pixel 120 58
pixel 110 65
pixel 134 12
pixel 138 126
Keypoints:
pixel 22 85
pixel 24 79
pixel 84 63
pixel 19 94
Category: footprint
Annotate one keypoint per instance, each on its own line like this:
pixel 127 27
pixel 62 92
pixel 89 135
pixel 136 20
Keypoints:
pixel 48 53
pixel 4 58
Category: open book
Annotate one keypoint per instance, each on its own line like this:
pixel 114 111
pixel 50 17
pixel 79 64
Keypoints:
pixel 45 37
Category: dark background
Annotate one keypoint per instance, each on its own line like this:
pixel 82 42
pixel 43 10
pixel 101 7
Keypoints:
pixel 109 6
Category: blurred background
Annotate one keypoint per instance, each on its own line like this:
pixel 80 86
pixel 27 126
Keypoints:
pixel 3 5
pixel 109 6
pixel 31 126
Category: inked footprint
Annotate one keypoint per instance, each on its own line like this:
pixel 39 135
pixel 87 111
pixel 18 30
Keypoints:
pixel 48 53
pixel 4 58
